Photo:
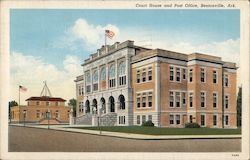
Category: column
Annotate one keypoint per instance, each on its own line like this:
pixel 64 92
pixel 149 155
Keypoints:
pixel 157 91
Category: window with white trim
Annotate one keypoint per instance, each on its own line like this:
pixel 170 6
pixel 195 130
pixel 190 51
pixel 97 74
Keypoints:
pixel 226 80
pixel 203 99
pixel 138 76
pixel 190 75
pixel 183 98
pixel 150 118
pixel 144 75
pixel 112 76
pixel 171 119
pixel 171 99
pixel 138 99
pixel 150 97
pixel 184 73
pixel 143 118
pixel 190 99
pixel 214 76
pixel 149 73
pixel 177 99
pixel 178 119
pixel 178 74
pixel 214 100
pixel 202 74
pixel 103 74
pixel 144 99
pixel 226 101
pixel 95 80
pixel 171 78
pixel 122 120
pixel 138 119
pixel 203 120
pixel 121 73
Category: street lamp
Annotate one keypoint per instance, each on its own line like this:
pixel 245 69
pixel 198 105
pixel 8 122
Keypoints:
pixel 48 116
pixel 24 116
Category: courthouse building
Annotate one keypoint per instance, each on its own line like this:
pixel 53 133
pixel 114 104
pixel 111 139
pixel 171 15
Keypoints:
pixel 125 84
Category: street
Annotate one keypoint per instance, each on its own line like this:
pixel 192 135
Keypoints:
pixel 24 139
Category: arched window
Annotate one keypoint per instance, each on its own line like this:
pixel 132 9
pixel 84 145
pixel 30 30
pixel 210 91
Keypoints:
pixel 88 79
pixel 95 110
pixel 103 105
pixel 112 76
pixel 95 80
pixel 87 109
pixel 103 74
pixel 121 73
pixel 88 82
pixel 112 104
pixel 122 102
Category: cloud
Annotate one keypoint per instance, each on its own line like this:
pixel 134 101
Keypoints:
pixel 85 35
pixel 31 71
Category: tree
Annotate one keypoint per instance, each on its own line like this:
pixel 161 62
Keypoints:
pixel 72 103
pixel 239 106
pixel 12 104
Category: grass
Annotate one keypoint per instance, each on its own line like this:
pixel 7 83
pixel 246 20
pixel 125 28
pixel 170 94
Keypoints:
pixel 166 131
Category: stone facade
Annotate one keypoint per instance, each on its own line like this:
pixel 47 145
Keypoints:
pixel 169 88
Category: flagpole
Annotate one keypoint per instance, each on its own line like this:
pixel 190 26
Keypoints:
pixel 19 103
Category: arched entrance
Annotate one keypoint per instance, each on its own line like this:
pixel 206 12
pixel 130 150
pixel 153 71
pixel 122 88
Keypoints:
pixel 121 99
pixel 103 105
pixel 87 107
pixel 112 104
pixel 95 111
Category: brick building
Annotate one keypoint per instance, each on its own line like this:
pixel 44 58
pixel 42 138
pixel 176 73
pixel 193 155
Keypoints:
pixel 125 84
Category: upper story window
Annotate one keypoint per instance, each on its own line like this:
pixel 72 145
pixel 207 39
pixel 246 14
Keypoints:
pixel 37 103
pixel 112 76
pixel 144 100
pixel 203 99
pixel 150 99
pixel 184 98
pixel 202 74
pixel 214 76
pixel 171 78
pixel 178 99
pixel 47 103
pixel 88 82
pixel 190 99
pixel 214 100
pixel 190 75
pixel 57 103
pixel 149 73
pixel 184 73
pixel 226 80
pixel 178 74
pixel 144 75
pixel 171 99
pixel 138 76
pixel 226 101
pixel 95 80
pixel 103 74
pixel 138 99
pixel 121 73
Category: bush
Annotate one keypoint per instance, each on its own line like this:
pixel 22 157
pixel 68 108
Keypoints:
pixel 192 125
pixel 148 124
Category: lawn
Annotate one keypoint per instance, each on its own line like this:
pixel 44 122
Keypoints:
pixel 166 131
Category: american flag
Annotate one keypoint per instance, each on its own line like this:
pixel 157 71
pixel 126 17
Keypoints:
pixel 22 88
pixel 109 33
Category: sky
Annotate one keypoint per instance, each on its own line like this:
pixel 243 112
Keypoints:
pixel 51 44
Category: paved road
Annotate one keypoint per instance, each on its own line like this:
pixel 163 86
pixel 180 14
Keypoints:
pixel 23 139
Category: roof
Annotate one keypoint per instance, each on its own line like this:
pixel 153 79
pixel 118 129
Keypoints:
pixel 46 98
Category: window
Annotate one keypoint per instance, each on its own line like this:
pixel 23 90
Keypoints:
pixel 171 119
pixel 214 100
pixel 112 76
pixel 178 119
pixel 214 120
pixel 37 103
pixel 144 101
pixel 138 119
pixel 122 120
pixel 95 80
pixel 184 98
pixel 88 88
pixel 103 74
pixel 178 99
pixel 203 120
pixel 149 73
pixel 171 73
pixel 202 75
pixel 122 75
pixel 144 75
pixel 178 74
pixel 190 75
pixel 190 99
pixel 214 76
pixel 57 103
pixel 138 76
pixel 226 120
pixel 226 102
pixel 183 73
pixel 143 118
pixel 149 99
pixel 88 82
pixel 226 80
pixel 47 103
pixel 138 99
pixel 171 99
pixel 57 114
pixel 203 99
pixel 150 118
pixel 38 114
pixel 190 119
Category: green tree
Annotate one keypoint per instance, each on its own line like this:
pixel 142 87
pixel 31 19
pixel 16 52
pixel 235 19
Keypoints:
pixel 239 106
pixel 72 103
pixel 12 104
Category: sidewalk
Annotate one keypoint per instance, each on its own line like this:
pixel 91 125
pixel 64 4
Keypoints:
pixel 127 135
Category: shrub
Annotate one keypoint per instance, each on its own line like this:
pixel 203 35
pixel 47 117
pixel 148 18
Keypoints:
pixel 192 125
pixel 148 124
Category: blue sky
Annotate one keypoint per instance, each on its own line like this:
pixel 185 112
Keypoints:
pixel 57 41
